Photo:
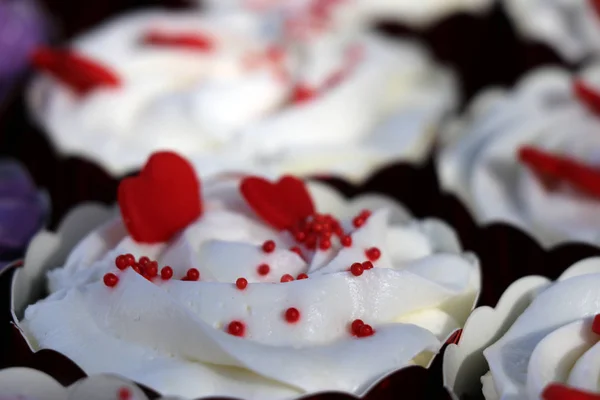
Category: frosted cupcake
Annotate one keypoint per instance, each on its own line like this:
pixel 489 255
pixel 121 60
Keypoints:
pixel 528 156
pixel 342 13
pixel 541 341
pixel 252 288
pixel 571 27
pixel 239 96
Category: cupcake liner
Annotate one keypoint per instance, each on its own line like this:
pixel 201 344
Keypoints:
pixel 24 283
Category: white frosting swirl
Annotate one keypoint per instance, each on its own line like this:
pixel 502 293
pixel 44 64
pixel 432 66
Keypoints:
pixel 171 335
pixel 226 112
pixel 360 12
pixel 552 341
pixel 480 162
pixel 572 27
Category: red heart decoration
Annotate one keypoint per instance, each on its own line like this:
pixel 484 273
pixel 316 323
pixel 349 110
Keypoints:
pixel 587 95
pixel 557 391
pixel 560 168
pixel 281 204
pixel 162 200
pixel 192 41
pixel 74 70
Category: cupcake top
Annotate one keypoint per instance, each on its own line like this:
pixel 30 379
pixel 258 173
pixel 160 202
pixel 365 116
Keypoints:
pixel 529 156
pixel 239 95
pixel 23 210
pixel 552 350
pixel 22 28
pixel 571 27
pixel 319 13
pixel 253 288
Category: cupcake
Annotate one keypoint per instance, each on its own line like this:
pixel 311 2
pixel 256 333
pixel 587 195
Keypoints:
pixel 245 287
pixel 356 12
pixel 240 95
pixel 22 28
pixel 540 342
pixel 526 157
pixel 570 27
pixel 23 210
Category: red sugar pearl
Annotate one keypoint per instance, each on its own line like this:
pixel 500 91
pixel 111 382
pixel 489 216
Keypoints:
pixel 130 259
pixel 346 241
pixel 124 394
pixel 365 330
pixel 292 315
pixel 268 246
pixel 596 325
pixel 151 269
pixel 143 261
pixel 236 328
pixel 111 279
pixel 311 242
pixel 241 283
pixel 358 221
pixel 121 262
pixel 136 267
pixel 263 269
pixel 367 265
pixel 356 325
pixel 373 253
pixel 302 276
pixel 287 278
pixel 166 273
pixel 192 274
pixel 325 244
pixel 365 213
pixel 296 250
pixel 300 236
pixel 356 269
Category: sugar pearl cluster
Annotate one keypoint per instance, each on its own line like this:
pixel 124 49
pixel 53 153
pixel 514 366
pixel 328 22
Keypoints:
pixel 147 268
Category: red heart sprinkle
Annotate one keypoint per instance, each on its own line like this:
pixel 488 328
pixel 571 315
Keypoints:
pixel 281 204
pixel 560 168
pixel 162 200
pixel 191 40
pixel 556 391
pixel 74 70
pixel 587 95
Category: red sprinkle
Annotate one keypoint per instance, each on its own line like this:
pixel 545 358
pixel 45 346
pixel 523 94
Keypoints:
pixel 358 221
pixel 143 261
pixel 124 393
pixel 136 267
pixel 241 283
pixel 365 330
pixel 325 244
pixel 121 262
pixel 373 253
pixel 296 250
pixel 111 279
pixel 192 274
pixel 356 325
pixel 346 241
pixel 596 324
pixel 292 315
pixel 303 94
pixel 151 269
pixel 367 265
pixel 263 269
pixel 236 328
pixel 166 273
pixel 130 259
pixel 268 246
pixel 287 278
pixel 191 40
pixel 302 276
pixel 356 269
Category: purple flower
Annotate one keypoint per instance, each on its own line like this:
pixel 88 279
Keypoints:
pixel 23 210
pixel 22 28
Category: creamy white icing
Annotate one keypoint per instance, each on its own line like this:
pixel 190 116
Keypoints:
pixel 572 27
pixel 229 109
pixel 552 341
pixel 171 335
pixel 360 12
pixel 479 163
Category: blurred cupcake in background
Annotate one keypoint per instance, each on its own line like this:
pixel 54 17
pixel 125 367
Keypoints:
pixel 22 28
pixel 23 210
pixel 240 94
pixel 530 156
pixel 571 27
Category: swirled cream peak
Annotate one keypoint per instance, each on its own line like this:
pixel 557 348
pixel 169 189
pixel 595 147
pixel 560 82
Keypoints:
pixel 554 341
pixel 551 111
pixel 247 310
pixel 232 92
pixel 571 27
